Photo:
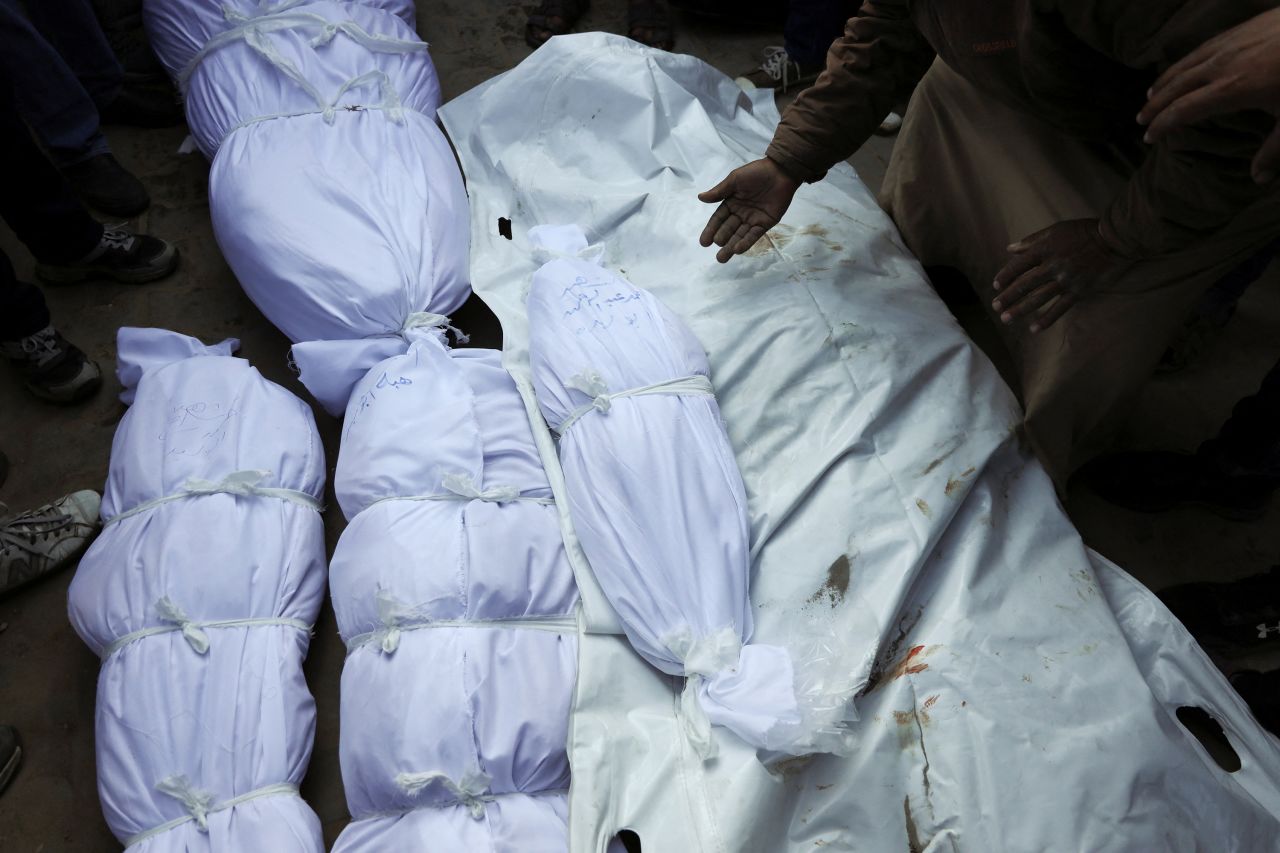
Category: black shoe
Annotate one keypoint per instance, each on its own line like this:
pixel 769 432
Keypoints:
pixel 140 106
pixel 10 755
pixel 53 368
pixel 1261 691
pixel 120 256
pixel 106 185
pixel 1156 481
pixel 1232 617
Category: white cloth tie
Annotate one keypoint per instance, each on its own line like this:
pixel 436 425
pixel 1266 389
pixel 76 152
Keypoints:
pixel 590 382
pixel 195 801
pixel 472 790
pixel 428 320
pixel 397 617
pixel 194 631
pixel 251 29
pixel 241 483
pixel 254 32
pixel 703 658
pixel 170 612
pixel 392 613
pixel 199 804
pixel 464 486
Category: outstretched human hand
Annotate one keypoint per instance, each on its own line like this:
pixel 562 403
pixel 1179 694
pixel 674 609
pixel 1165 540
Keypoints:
pixel 1051 270
pixel 752 199
pixel 1238 69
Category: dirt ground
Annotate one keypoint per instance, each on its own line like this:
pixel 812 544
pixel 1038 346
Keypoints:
pixel 48 678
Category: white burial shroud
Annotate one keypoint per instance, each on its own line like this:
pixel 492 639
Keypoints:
pixel 335 198
pixel 199 595
pixel 456 602
pixel 657 501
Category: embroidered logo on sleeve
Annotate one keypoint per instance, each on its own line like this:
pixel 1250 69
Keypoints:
pixel 987 48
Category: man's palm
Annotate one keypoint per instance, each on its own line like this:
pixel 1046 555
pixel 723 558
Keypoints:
pixel 752 199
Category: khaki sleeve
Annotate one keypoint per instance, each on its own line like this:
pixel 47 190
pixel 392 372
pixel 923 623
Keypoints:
pixel 1197 178
pixel 880 58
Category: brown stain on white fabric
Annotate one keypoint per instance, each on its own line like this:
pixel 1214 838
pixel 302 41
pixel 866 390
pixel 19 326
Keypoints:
pixel 836 585
pixel 954 483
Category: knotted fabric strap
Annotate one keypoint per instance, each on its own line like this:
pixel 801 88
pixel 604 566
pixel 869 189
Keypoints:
pixel 593 385
pixel 199 804
pixel 481 799
pixel 329 108
pixel 462 487
pixel 192 631
pixel 254 33
pixel 472 790
pixel 242 483
pixel 427 320
pixel 253 29
pixel 702 658
pixel 397 617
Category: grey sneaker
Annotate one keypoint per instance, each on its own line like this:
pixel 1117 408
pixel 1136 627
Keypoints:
pixel 53 368
pixel 10 755
pixel 41 541
pixel 779 71
pixel 120 256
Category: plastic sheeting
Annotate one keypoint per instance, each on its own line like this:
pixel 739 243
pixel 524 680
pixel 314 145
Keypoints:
pixel 334 196
pixel 457 605
pixel 199 595
pixel 1019 692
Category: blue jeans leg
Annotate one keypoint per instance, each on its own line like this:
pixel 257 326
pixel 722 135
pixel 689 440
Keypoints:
pixel 812 25
pixel 36 201
pixel 63 70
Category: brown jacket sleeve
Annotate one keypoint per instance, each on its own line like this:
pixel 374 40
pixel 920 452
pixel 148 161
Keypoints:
pixel 1196 179
pixel 880 57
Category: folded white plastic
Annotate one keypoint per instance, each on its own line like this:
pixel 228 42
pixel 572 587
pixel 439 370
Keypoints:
pixel 199 595
pixel 456 601
pixel 657 501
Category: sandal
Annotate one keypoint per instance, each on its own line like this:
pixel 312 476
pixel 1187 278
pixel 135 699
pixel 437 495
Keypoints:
pixel 552 18
pixel 649 22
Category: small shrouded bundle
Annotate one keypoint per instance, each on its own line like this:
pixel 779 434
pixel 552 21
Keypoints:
pixel 457 604
pixel 657 500
pixel 199 596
